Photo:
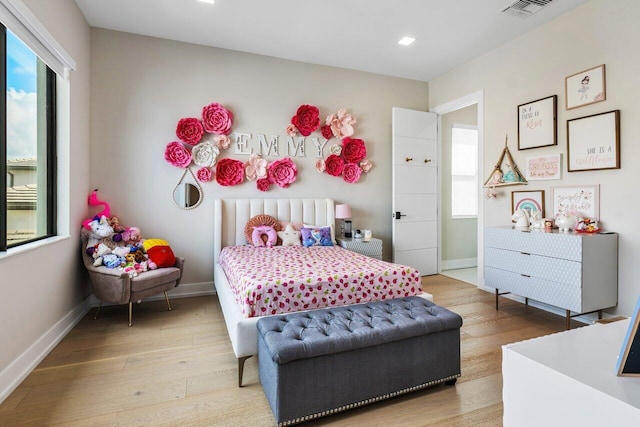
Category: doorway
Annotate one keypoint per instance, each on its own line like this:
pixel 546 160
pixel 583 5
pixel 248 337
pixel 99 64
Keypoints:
pixel 460 236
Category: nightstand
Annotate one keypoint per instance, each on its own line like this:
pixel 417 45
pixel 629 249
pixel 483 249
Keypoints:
pixel 372 248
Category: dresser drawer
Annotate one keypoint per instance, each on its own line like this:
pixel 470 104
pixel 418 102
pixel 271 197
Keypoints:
pixel 542 267
pixel 546 291
pixel 554 245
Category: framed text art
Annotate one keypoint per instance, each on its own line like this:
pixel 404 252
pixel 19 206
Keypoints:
pixel 593 142
pixel 579 200
pixel 533 201
pixel 544 167
pixel 537 126
pixel 585 87
pixel 628 363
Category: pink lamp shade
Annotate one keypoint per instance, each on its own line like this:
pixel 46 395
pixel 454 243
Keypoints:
pixel 343 211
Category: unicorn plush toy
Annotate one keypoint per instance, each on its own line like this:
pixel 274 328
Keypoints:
pixel 521 218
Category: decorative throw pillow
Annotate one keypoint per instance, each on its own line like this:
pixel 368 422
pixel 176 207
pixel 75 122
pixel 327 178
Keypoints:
pixel 290 236
pixel 317 236
pixel 159 252
pixel 258 220
pixel 264 235
pixel 333 233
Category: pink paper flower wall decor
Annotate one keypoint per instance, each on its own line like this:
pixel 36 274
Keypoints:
pixel 217 119
pixel 282 172
pixel 177 155
pixel 189 130
pixel 306 120
pixel 204 174
pixel 229 172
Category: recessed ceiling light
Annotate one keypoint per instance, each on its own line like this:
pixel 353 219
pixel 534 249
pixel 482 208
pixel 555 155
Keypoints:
pixel 406 41
pixel 208 1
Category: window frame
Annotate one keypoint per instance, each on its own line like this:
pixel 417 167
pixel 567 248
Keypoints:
pixel 51 150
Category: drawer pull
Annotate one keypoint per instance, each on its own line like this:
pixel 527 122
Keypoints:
pixel 525 253
pixel 525 275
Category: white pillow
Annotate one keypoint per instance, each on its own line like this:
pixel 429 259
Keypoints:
pixel 333 232
pixel 290 236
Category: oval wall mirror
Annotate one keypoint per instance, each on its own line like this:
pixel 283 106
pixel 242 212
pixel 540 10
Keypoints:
pixel 187 195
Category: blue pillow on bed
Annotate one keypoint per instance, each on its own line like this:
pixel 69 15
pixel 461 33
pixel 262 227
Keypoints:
pixel 316 236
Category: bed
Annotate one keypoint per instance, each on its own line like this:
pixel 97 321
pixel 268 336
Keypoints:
pixel 230 218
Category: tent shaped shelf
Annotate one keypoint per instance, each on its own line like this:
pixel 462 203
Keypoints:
pixel 505 172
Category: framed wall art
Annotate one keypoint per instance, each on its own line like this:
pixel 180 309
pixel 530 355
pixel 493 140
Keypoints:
pixel 593 142
pixel 537 126
pixel 628 363
pixel 585 87
pixel 544 167
pixel 581 200
pixel 533 201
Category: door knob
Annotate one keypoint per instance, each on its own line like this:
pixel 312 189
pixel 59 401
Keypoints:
pixel 427 160
pixel 397 215
pixel 408 159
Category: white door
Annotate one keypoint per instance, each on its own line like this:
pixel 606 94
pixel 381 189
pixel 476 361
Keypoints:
pixel 415 189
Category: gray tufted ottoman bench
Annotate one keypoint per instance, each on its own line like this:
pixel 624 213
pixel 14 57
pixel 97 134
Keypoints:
pixel 324 361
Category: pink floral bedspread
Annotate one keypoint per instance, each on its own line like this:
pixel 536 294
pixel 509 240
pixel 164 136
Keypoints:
pixel 285 279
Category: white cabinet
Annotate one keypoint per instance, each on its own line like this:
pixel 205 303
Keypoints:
pixel 576 272
pixel 569 379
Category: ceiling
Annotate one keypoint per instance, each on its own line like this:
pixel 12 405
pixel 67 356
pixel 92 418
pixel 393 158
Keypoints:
pixel 354 34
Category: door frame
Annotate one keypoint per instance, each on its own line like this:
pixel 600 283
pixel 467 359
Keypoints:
pixel 457 104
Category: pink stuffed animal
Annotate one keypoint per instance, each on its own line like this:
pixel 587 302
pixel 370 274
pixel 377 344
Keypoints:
pixel 131 235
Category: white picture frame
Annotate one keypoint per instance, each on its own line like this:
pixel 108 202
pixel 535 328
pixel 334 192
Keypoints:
pixel 546 167
pixel 579 200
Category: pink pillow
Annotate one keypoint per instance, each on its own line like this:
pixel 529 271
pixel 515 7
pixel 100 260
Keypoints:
pixel 264 231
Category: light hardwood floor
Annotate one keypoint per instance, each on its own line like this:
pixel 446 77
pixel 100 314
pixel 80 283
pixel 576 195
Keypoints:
pixel 177 369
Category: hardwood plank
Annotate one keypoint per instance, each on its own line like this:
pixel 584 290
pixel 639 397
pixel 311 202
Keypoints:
pixel 178 368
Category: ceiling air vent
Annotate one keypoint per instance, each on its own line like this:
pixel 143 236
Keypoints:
pixel 525 8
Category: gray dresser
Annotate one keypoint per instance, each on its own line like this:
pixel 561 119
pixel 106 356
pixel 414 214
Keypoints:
pixel 576 272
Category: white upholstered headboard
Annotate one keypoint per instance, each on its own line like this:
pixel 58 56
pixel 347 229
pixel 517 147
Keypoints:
pixel 231 215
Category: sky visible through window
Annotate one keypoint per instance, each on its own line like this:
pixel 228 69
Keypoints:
pixel 21 99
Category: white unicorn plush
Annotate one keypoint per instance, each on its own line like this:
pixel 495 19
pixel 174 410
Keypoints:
pixel 521 218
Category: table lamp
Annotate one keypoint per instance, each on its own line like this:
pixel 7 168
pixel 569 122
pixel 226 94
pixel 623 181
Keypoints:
pixel 343 212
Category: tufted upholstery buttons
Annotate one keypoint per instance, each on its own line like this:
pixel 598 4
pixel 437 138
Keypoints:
pixel 302 335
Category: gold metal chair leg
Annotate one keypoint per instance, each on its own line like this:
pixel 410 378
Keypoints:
pixel 98 310
pixel 130 312
pixel 166 297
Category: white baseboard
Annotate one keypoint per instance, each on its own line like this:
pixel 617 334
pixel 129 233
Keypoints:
pixel 455 264
pixel 19 369
pixel 23 365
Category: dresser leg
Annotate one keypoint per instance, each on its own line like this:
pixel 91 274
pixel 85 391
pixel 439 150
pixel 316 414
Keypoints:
pixel 599 314
pixel 497 299
pixel 568 322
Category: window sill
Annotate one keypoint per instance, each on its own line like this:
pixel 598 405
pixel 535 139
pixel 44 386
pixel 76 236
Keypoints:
pixel 31 246
pixel 465 217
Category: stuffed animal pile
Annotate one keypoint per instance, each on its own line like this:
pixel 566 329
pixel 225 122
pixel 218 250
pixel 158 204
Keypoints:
pixel 113 245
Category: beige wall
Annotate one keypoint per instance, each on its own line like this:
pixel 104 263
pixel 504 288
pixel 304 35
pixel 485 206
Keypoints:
pixel 43 285
pixel 142 86
pixel 535 66
pixel 459 236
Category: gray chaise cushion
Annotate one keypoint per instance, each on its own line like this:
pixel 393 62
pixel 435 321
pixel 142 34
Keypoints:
pixel 327 331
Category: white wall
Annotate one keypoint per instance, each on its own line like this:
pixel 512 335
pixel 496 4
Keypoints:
pixel 142 86
pixel 534 66
pixel 43 286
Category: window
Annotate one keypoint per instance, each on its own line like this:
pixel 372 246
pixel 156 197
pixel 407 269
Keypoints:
pixel 464 171
pixel 27 144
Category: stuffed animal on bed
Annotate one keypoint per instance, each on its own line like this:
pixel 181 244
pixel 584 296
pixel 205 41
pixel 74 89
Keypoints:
pixel 290 236
pixel 268 232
